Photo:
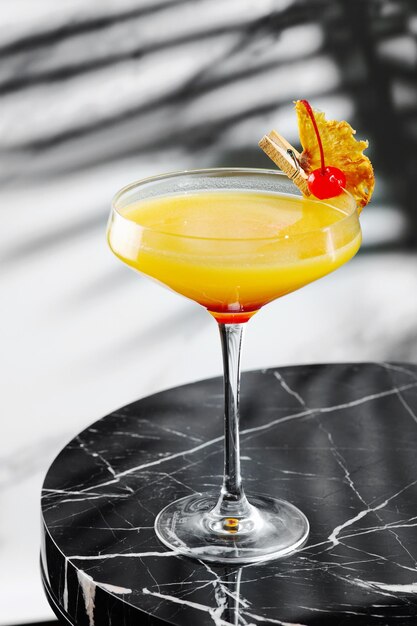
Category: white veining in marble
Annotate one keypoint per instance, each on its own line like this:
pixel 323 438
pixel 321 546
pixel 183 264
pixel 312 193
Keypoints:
pixel 65 594
pixel 115 589
pixel 88 587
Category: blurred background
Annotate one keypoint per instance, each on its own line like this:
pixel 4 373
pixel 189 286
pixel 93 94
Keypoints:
pixel 96 94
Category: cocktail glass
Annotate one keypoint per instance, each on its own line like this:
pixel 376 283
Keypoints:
pixel 231 240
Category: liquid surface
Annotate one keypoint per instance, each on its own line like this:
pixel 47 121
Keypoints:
pixel 234 251
pixel 231 215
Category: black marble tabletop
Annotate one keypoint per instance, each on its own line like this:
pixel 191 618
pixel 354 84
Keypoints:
pixel 339 441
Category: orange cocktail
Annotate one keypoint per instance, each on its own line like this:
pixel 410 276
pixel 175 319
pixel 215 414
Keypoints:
pixel 234 251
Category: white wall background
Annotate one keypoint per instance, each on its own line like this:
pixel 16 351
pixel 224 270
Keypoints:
pixel 82 335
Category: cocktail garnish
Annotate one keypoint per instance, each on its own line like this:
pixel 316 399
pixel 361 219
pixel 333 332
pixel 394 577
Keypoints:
pixel 342 150
pixel 350 169
pixel 283 154
pixel 324 182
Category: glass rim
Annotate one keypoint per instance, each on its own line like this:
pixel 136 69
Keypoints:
pixel 230 170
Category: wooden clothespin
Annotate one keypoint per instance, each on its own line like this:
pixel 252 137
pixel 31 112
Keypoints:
pixel 283 154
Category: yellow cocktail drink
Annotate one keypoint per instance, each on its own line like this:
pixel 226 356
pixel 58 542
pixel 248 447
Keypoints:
pixel 234 251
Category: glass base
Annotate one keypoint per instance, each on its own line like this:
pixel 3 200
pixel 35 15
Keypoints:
pixel 273 529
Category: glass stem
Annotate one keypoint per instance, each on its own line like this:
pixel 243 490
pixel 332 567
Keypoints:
pixel 232 501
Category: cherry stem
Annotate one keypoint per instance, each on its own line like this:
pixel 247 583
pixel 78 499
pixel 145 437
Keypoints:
pixel 316 130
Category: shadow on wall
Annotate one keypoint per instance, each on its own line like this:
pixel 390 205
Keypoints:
pixel 83 85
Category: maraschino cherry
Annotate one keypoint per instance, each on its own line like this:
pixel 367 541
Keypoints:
pixel 326 181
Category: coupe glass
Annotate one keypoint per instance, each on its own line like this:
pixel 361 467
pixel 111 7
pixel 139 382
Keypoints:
pixel 233 276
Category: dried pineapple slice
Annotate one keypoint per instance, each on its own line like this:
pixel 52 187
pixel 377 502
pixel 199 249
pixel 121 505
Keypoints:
pixel 341 150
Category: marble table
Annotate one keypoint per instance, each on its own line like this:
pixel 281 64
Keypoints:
pixel 339 441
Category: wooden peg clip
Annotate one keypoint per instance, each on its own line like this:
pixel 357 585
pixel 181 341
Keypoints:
pixel 283 154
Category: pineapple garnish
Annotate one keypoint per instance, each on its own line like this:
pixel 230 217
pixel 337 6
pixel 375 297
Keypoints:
pixel 332 159
pixel 341 150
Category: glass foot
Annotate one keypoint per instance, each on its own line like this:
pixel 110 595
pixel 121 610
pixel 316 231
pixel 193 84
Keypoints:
pixel 273 529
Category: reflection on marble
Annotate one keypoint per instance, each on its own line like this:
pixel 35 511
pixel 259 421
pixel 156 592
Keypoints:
pixel 338 441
